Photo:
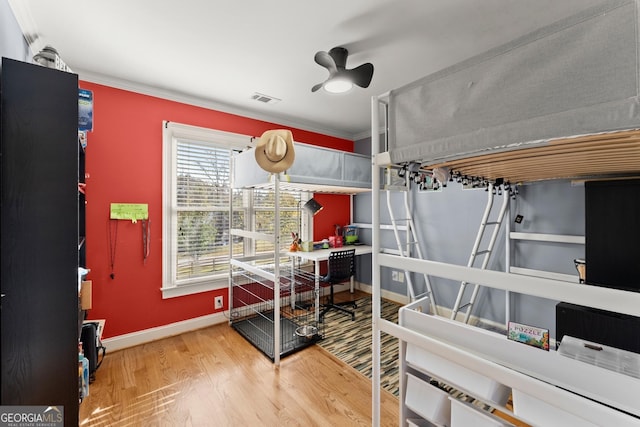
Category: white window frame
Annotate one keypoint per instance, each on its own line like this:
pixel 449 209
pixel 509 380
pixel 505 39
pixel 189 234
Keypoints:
pixel 171 134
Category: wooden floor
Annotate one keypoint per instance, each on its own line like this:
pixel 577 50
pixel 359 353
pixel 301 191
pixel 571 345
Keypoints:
pixel 213 377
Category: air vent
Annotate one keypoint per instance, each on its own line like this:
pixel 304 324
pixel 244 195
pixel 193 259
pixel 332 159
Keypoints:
pixel 266 99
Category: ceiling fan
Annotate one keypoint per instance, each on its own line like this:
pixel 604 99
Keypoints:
pixel 340 79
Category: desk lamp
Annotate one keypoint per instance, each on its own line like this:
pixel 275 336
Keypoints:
pixel 313 207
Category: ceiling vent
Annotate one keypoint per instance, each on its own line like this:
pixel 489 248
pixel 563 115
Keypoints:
pixel 265 99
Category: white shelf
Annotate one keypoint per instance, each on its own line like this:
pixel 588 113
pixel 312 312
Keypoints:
pixel 568 385
pixel 464 414
pixel 553 238
pixel 537 412
pixel 457 376
pixel 428 401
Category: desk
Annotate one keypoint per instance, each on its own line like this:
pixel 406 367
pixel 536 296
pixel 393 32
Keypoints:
pixel 323 255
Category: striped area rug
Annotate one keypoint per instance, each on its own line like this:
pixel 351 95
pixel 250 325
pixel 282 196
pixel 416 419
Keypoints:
pixel 350 341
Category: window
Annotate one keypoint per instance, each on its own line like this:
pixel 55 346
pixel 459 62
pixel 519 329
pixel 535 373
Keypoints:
pixel 197 195
pixel 263 214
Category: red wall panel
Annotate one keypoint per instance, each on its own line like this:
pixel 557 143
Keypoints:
pixel 336 211
pixel 124 165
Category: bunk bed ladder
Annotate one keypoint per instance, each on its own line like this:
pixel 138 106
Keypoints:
pixel 411 247
pixel 475 252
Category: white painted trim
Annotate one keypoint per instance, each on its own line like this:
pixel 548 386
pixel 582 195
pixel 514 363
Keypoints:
pixel 152 334
pixel 177 130
pixel 364 134
pixel 194 288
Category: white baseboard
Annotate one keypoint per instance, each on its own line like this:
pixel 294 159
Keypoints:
pixel 141 337
pixel 388 295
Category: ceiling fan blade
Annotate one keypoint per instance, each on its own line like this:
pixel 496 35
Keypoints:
pixel 339 56
pixel 362 74
pixel 324 59
pixel 316 87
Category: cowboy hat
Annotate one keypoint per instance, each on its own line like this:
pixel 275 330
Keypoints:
pixel 274 151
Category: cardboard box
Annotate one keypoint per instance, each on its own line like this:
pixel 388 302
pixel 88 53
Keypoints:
pixel 85 294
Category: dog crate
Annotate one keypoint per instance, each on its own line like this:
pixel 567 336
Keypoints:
pixel 253 307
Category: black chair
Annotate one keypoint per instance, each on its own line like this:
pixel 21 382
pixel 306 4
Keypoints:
pixel 341 268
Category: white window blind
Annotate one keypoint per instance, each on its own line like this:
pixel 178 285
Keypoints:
pixel 264 204
pixel 202 199
pixel 196 198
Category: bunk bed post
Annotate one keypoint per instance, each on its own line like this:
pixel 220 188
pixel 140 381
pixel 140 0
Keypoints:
pixel 231 267
pixel 507 261
pixel 351 282
pixel 375 265
pixel 276 272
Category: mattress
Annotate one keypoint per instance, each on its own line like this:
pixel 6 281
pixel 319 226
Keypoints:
pixel 337 171
pixel 571 84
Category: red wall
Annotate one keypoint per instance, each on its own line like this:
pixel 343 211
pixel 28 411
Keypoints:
pixel 124 165
pixel 337 209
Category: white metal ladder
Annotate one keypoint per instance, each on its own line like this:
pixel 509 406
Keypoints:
pixel 410 246
pixel 486 254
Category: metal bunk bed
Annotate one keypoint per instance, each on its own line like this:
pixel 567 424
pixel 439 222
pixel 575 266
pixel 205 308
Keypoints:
pixel 274 303
pixel 560 103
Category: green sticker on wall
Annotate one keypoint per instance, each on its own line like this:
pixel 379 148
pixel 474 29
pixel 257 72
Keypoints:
pixel 130 211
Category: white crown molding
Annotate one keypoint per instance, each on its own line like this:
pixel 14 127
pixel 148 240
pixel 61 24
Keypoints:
pixel 362 135
pixel 27 25
pixel 207 103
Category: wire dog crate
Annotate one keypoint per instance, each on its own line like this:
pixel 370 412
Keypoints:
pixel 253 307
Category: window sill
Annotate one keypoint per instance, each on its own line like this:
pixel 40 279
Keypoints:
pixel 193 288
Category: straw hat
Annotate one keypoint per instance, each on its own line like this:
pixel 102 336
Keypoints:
pixel 274 151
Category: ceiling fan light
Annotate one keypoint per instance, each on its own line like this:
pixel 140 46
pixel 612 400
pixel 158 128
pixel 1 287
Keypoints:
pixel 338 86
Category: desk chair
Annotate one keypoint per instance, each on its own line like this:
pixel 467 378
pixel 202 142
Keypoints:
pixel 341 268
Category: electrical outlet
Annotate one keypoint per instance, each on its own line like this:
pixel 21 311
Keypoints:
pixel 397 276
pixel 218 302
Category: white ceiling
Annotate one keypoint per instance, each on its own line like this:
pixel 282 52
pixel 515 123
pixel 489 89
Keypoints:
pixel 218 53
